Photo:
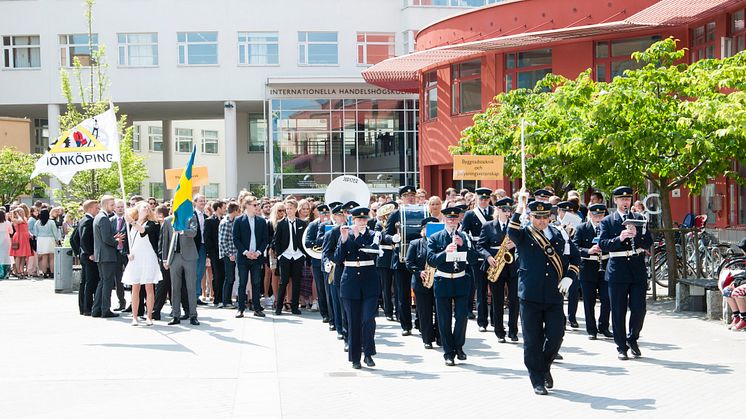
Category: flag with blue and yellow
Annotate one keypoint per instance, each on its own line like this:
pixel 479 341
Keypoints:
pixel 183 206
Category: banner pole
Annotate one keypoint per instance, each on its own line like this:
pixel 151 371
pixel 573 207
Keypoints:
pixel 523 155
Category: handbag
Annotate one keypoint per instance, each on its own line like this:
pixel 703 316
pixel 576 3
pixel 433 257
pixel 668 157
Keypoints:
pixel 15 245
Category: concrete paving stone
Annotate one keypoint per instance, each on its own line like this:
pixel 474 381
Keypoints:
pixel 58 364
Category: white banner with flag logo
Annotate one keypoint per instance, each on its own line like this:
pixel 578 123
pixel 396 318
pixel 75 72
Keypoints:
pixel 92 144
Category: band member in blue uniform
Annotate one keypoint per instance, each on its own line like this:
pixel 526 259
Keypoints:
pixel 625 272
pixel 451 284
pixel 384 260
pixel 356 252
pixel 316 241
pixel 568 220
pixel 548 264
pixel 472 225
pixel 592 271
pixel 493 234
pixel 332 274
pixel 402 277
pixel 416 262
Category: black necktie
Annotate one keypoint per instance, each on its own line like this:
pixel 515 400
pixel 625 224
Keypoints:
pixel 292 234
pixel 598 231
pixel 178 242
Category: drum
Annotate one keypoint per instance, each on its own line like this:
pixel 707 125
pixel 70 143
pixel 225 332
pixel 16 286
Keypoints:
pixel 410 225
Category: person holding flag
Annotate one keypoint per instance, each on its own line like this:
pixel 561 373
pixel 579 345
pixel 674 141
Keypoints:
pixel 178 246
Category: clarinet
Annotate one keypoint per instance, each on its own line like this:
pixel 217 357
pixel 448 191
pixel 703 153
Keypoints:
pixel 453 241
pixel 632 239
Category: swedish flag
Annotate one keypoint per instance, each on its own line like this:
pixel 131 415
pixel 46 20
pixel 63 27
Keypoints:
pixel 183 206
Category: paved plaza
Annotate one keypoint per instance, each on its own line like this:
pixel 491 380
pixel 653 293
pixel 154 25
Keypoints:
pixel 58 364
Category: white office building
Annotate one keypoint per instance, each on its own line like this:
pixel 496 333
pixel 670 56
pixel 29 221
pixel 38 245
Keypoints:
pixel 270 91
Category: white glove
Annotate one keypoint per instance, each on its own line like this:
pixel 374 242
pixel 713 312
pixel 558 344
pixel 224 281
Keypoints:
pixel 396 238
pixel 377 238
pixel 564 285
pixel 328 266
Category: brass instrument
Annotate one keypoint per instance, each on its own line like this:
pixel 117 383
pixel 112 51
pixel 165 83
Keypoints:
pixel 503 257
pixel 409 226
pixel 315 251
pixel 429 276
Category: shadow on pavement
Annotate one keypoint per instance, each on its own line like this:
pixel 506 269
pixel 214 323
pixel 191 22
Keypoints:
pixel 406 358
pixel 175 347
pixel 687 366
pixel 402 374
pixel 597 369
pixel 605 403
pixel 502 372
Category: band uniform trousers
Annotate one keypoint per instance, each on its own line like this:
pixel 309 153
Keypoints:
pixel 425 311
pixel 573 297
pixel 183 271
pixel 447 308
pixel 318 280
pixel 539 320
pixel 106 283
pixel 591 291
pixel 403 281
pixel 481 283
pixel 385 276
pixel 622 294
pixel 506 280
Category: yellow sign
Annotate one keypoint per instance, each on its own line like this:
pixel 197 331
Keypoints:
pixel 199 176
pixel 77 140
pixel 478 167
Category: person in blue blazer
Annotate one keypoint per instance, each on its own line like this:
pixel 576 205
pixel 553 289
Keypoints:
pixel 251 238
pixel 356 253
pixel 626 273
pixel 547 267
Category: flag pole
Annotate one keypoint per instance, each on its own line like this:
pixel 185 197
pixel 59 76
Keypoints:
pixel 121 177
pixel 523 155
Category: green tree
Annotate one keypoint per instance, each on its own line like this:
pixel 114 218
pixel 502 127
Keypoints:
pixel 668 124
pixel 15 171
pixel 91 101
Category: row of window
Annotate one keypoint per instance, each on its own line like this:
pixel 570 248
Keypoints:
pixel 183 139
pixel 210 191
pixel 201 48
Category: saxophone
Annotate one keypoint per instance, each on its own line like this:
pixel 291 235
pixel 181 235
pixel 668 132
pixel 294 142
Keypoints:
pixel 429 276
pixel 503 257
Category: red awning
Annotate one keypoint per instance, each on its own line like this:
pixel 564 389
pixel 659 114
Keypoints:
pixel 403 73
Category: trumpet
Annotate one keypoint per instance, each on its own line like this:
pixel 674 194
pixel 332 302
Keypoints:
pixel 503 257
pixel 427 282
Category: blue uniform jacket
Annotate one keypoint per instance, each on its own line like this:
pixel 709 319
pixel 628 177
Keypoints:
pixel 624 269
pixel 314 240
pixel 416 260
pixel 436 256
pixel 471 224
pixel 489 243
pixel 537 277
pixel 330 240
pixel 357 282
pixel 583 239
pixel 388 246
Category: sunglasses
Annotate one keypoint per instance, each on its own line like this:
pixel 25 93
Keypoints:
pixel 506 209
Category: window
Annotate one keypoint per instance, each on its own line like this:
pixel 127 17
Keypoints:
pixel 466 87
pixel 41 136
pixel 156 190
pixel 212 191
pixel 21 52
pixel 136 137
pixel 409 42
pixel 317 48
pixel 184 140
pixel 258 48
pixel 257 132
pixel 431 95
pixel 76 46
pixel 612 58
pixel 155 138
pixel 737 31
pixel 372 48
pixel 703 42
pixel 197 48
pixel 524 69
pixel 209 142
pixel 138 49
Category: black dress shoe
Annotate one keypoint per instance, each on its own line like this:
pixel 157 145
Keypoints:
pixel 540 390
pixel 513 338
pixel 109 315
pixel 607 334
pixel 201 303
pixel 121 308
pixel 592 337
pixel 622 356
pixel 428 346
pixel 406 332
pixel 369 361
pixel 460 354
pixel 390 318
pixel 482 329
pixel 340 336
pixel 184 317
pixel 574 324
pixel 88 313
pixel 347 347
pixel 94 314
pixel 332 327
pixel 174 321
pixel 450 362
pixel 296 311
pixel 501 340
pixel 558 357
pixel 193 321
pixel 278 312
pixel 239 314
pixel 471 316
pixel 548 380
pixel 356 365
pixel 324 320
pixel 157 316
pixel 258 313
pixel 635 349
pixel 127 310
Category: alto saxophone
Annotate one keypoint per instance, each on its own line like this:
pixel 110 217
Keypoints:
pixel 429 276
pixel 503 257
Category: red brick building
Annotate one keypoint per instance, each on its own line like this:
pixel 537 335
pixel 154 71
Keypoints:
pixel 462 62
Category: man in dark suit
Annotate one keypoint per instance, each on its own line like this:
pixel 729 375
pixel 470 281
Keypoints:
pixel 472 224
pixel 213 252
pixel 119 226
pixel 182 265
pixel 416 263
pixel 250 236
pixel 490 241
pixel 287 244
pixel 626 273
pixel 592 272
pixel 451 283
pixel 316 241
pixel 548 265
pixel 402 276
pixel 163 288
pixel 105 242
pixel 199 241
pixel 356 252
pixel 89 274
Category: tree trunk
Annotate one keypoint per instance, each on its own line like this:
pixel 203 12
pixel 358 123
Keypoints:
pixel 667 221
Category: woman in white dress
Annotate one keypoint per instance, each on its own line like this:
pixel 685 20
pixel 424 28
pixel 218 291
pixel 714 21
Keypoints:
pixel 142 267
